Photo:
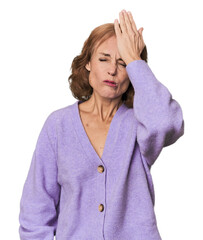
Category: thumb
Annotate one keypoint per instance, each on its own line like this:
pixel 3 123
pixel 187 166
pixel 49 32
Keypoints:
pixel 141 30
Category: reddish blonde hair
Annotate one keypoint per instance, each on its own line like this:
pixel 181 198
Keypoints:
pixel 79 78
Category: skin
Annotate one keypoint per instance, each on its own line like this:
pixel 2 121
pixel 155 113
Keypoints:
pixel 127 46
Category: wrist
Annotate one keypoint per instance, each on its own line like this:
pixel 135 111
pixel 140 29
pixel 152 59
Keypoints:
pixel 129 60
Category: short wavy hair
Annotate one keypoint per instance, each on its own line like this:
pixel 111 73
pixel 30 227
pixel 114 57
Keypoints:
pixel 79 78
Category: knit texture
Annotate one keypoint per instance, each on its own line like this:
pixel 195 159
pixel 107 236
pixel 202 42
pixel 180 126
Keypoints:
pixel 63 188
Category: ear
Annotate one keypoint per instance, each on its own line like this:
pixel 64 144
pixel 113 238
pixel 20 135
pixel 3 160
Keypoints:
pixel 87 66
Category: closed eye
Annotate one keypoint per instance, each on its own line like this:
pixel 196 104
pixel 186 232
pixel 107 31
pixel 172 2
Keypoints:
pixel 102 59
pixel 124 65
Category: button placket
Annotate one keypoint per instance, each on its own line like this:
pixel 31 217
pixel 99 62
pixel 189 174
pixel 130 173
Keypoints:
pixel 100 169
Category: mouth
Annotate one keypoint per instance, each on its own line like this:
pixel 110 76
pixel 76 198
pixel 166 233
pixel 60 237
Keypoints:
pixel 110 83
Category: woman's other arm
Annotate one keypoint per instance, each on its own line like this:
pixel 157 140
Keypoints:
pixel 38 213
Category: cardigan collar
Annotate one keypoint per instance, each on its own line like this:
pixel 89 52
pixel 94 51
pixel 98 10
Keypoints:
pixel 84 140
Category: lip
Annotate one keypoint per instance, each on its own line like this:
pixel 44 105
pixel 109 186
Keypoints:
pixel 110 83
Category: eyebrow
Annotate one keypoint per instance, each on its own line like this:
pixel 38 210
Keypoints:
pixel 108 55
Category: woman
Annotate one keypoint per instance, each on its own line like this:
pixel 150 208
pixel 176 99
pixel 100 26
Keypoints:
pixel 90 173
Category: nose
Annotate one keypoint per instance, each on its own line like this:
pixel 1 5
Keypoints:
pixel 112 69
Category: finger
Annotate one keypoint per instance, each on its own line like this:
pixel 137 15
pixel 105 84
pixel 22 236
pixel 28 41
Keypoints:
pixel 127 22
pixel 141 30
pixel 132 22
pixel 117 28
pixel 141 35
pixel 122 22
pixel 142 41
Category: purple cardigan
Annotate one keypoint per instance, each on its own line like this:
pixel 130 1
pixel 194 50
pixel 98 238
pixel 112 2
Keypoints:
pixel 74 194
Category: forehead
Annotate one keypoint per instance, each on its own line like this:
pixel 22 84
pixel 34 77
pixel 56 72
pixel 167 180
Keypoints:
pixel 109 46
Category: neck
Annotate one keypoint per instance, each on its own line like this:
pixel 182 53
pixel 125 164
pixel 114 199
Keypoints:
pixel 104 109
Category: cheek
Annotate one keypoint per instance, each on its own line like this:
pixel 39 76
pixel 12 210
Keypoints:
pixel 123 75
pixel 125 79
pixel 96 77
pixel 91 81
pixel 125 84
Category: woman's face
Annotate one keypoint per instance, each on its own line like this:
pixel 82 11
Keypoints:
pixel 108 67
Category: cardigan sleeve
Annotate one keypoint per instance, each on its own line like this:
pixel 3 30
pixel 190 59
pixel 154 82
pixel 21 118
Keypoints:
pixel 159 117
pixel 40 196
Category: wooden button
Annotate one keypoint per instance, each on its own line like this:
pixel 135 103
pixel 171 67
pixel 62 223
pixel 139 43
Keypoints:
pixel 100 168
pixel 101 207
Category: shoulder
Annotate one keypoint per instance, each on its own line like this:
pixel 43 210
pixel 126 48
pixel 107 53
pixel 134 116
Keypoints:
pixel 58 115
pixel 127 112
pixel 61 112
pixel 128 115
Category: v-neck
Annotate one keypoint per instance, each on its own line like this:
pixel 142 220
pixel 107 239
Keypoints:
pixel 84 139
